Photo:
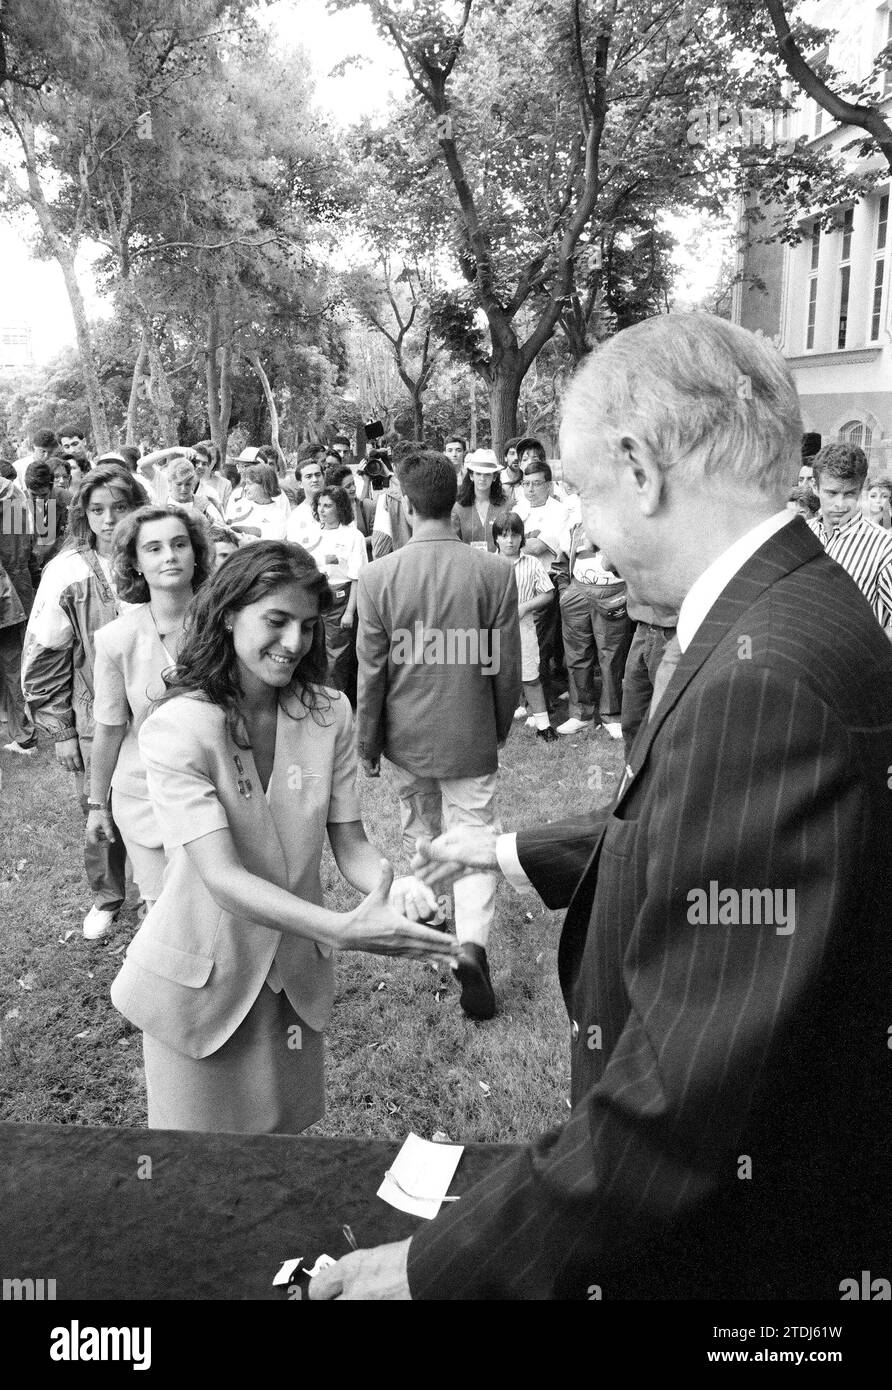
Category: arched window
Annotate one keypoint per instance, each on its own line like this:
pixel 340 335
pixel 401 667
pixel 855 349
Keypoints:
pixel 856 432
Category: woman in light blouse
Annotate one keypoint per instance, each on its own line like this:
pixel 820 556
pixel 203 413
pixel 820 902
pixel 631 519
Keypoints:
pixel 161 556
pixel 250 761
pixel 341 555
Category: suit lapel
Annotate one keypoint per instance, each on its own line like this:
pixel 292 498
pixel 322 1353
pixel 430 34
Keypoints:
pixel 782 553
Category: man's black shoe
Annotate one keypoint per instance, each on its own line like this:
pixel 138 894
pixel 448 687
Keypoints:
pixel 472 972
pixel 547 735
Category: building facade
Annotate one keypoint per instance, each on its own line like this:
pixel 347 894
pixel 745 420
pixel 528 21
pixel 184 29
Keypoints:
pixel 827 302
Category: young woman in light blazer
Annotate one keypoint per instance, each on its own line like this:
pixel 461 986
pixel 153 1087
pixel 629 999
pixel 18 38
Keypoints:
pixel 160 557
pixel 250 761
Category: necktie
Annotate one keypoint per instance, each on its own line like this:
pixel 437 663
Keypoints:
pixel 665 671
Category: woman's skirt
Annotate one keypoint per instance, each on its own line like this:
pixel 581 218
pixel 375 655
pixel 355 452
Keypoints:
pixel 268 1078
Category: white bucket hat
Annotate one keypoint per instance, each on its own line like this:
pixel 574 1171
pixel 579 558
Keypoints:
pixel 482 461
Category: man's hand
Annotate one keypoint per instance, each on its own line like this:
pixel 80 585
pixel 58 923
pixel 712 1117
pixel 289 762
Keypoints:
pixel 466 849
pixel 413 899
pixel 371 1275
pixel 68 755
pixel 371 766
pixel 100 828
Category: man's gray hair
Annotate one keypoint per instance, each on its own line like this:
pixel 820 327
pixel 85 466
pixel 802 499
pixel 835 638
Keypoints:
pixel 709 399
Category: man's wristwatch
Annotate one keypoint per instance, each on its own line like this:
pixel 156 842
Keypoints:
pixel 96 806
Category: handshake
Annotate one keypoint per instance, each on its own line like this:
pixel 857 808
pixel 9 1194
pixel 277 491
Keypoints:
pixel 437 864
pixel 465 849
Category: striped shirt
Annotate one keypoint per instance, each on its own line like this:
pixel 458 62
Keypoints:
pixel 531 578
pixel 865 552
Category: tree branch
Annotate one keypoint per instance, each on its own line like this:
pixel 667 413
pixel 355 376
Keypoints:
pixel 865 118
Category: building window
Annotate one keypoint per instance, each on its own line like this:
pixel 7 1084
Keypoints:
pixel 845 277
pixel 815 243
pixel 813 285
pixel 812 309
pixel 887 74
pixel 856 432
pixel 879 268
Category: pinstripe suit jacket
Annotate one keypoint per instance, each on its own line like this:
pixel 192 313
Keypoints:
pixel 730 1083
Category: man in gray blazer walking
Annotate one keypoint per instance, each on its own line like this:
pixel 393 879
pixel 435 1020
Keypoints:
pixel 439 679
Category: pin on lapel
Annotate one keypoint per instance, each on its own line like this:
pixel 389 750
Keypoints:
pixel 243 783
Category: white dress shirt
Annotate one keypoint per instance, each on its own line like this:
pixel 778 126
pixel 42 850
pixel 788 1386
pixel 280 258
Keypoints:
pixel 696 604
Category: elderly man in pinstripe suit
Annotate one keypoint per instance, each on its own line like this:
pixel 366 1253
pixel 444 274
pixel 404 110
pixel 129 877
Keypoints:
pixel 726 958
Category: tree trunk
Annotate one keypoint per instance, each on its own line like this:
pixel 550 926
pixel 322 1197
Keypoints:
pixel 225 396
pixel 160 393
pixel 92 385
pixel 254 359
pixel 133 403
pixel 212 382
pixel 472 432
pixel 64 253
pixel 504 393
pixel 417 416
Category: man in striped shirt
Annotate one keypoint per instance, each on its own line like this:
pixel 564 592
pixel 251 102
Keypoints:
pixel 863 550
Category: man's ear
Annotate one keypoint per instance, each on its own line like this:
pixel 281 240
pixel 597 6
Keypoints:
pixel 642 473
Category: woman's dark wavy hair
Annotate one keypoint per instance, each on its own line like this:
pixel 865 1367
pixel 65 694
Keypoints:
pixel 130 585
pixel 111 475
pixel 207 661
pixel 465 496
pixel 342 503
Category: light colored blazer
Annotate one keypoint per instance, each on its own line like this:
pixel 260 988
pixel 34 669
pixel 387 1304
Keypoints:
pixel 193 971
pixel 127 677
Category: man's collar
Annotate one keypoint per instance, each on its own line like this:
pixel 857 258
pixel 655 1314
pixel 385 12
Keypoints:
pixel 827 535
pixel 706 589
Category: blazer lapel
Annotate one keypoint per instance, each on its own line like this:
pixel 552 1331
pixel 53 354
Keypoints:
pixel 266 846
pixel 792 546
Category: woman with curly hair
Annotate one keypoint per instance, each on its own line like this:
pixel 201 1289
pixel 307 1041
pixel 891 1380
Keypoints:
pixel 161 556
pixel 250 761
pixel 75 598
pixel 341 555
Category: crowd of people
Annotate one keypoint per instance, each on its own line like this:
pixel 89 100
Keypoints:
pixel 216 647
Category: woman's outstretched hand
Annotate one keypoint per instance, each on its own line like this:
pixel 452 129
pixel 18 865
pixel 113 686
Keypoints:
pixel 377 927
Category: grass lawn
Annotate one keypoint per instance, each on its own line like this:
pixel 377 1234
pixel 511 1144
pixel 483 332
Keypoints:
pixel 401 1054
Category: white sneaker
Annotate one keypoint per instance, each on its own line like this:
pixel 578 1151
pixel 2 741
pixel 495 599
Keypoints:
pixel 97 922
pixel 573 725
pixel 531 722
pixel 614 729
pixel 564 696
pixel 17 748
pixel 520 712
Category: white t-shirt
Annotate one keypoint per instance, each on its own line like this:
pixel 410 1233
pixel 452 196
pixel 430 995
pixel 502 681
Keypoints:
pixel 303 528
pixel 270 519
pixel 550 520
pixel 341 554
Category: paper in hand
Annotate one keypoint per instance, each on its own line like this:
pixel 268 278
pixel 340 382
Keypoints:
pixel 419 1176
